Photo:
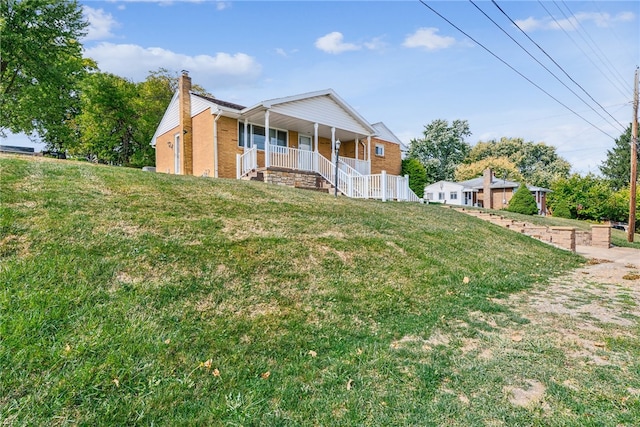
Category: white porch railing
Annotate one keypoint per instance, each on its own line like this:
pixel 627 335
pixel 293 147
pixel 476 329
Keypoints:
pixel 361 166
pixel 350 181
pixel 291 158
pixel 246 162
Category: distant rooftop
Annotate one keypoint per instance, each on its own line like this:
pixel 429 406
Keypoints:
pixel 16 150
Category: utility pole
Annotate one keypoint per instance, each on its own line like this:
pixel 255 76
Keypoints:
pixel 634 163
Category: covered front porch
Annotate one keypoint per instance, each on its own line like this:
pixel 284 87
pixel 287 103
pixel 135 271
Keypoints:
pixel 341 176
pixel 317 133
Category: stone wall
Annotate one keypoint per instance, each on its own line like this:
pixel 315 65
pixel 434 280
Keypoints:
pixel 291 178
pixel 564 237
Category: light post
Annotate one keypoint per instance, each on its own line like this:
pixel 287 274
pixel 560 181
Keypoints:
pixel 337 156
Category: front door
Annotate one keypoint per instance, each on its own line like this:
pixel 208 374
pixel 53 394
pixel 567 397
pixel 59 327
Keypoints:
pixel 305 156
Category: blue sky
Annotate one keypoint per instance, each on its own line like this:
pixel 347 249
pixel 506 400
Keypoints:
pixel 396 62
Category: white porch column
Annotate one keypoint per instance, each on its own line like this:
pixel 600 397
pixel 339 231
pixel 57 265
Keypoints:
pixel 357 143
pixel 315 145
pixel 369 152
pixel 267 143
pixel 246 135
pixel 333 145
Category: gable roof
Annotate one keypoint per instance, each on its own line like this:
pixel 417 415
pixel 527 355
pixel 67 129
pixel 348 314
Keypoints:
pixel 324 107
pixel 334 111
pixel 384 133
pixel 220 102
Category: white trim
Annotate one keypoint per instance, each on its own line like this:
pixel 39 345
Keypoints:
pixel 176 153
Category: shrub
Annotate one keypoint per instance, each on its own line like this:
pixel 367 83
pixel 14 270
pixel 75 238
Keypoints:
pixel 561 210
pixel 417 175
pixel 523 202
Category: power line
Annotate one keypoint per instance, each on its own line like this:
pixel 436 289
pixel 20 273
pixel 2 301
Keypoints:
pixel 512 68
pixel 582 50
pixel 613 68
pixel 552 60
pixel 605 75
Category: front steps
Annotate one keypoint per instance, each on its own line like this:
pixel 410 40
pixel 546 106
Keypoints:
pixel 292 178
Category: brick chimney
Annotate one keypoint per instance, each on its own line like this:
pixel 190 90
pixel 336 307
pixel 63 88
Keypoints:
pixel 487 199
pixel 186 125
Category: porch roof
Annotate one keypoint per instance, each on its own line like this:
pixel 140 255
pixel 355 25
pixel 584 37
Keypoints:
pixel 300 112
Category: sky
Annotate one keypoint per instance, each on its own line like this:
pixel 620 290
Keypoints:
pixel 398 61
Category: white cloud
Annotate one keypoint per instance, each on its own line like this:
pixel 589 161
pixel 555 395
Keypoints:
pixel 135 62
pixel 375 44
pixel 602 20
pixel 285 54
pixel 428 39
pixel 332 43
pixel 222 5
pixel 529 24
pixel 101 23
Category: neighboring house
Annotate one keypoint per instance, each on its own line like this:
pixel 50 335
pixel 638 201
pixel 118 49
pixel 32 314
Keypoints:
pixel 289 141
pixel 485 191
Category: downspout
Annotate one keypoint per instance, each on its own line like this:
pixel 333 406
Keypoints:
pixel 215 144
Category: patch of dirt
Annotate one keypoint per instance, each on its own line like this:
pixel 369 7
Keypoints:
pixel 523 397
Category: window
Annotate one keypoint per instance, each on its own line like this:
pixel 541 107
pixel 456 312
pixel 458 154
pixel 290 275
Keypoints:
pixel 429 196
pixel 256 136
pixel 453 195
pixel 380 150
pixel 441 196
pixel 278 137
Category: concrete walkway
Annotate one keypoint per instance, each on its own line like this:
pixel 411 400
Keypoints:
pixel 615 254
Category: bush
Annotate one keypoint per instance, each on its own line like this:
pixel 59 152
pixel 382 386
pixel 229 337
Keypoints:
pixel 561 210
pixel 417 175
pixel 523 202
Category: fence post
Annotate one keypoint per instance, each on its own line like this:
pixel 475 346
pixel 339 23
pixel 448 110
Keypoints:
pixel 383 184
pixel 238 168
pixel 367 179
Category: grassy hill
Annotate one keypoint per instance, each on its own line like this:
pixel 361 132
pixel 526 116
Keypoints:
pixel 132 298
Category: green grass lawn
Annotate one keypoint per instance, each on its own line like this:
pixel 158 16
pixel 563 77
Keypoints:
pixel 132 298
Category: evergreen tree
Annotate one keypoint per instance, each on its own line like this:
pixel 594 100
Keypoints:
pixel 617 167
pixel 523 202
pixel 417 175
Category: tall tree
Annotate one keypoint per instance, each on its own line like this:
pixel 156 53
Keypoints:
pixel 441 149
pixel 617 166
pixel 501 166
pixel 108 119
pixel 538 163
pixel 40 66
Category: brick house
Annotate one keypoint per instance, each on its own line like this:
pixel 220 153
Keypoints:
pixel 486 191
pixel 205 136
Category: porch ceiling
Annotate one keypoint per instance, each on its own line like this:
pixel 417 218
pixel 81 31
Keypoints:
pixel 304 127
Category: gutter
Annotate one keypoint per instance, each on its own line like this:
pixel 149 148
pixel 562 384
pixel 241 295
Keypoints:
pixel 215 143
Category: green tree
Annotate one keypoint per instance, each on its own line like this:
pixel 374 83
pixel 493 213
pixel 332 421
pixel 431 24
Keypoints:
pixel 108 119
pixel 587 197
pixel 41 66
pixel 561 210
pixel 539 164
pixel 617 166
pixel 417 175
pixel 501 166
pixel 441 149
pixel 523 202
